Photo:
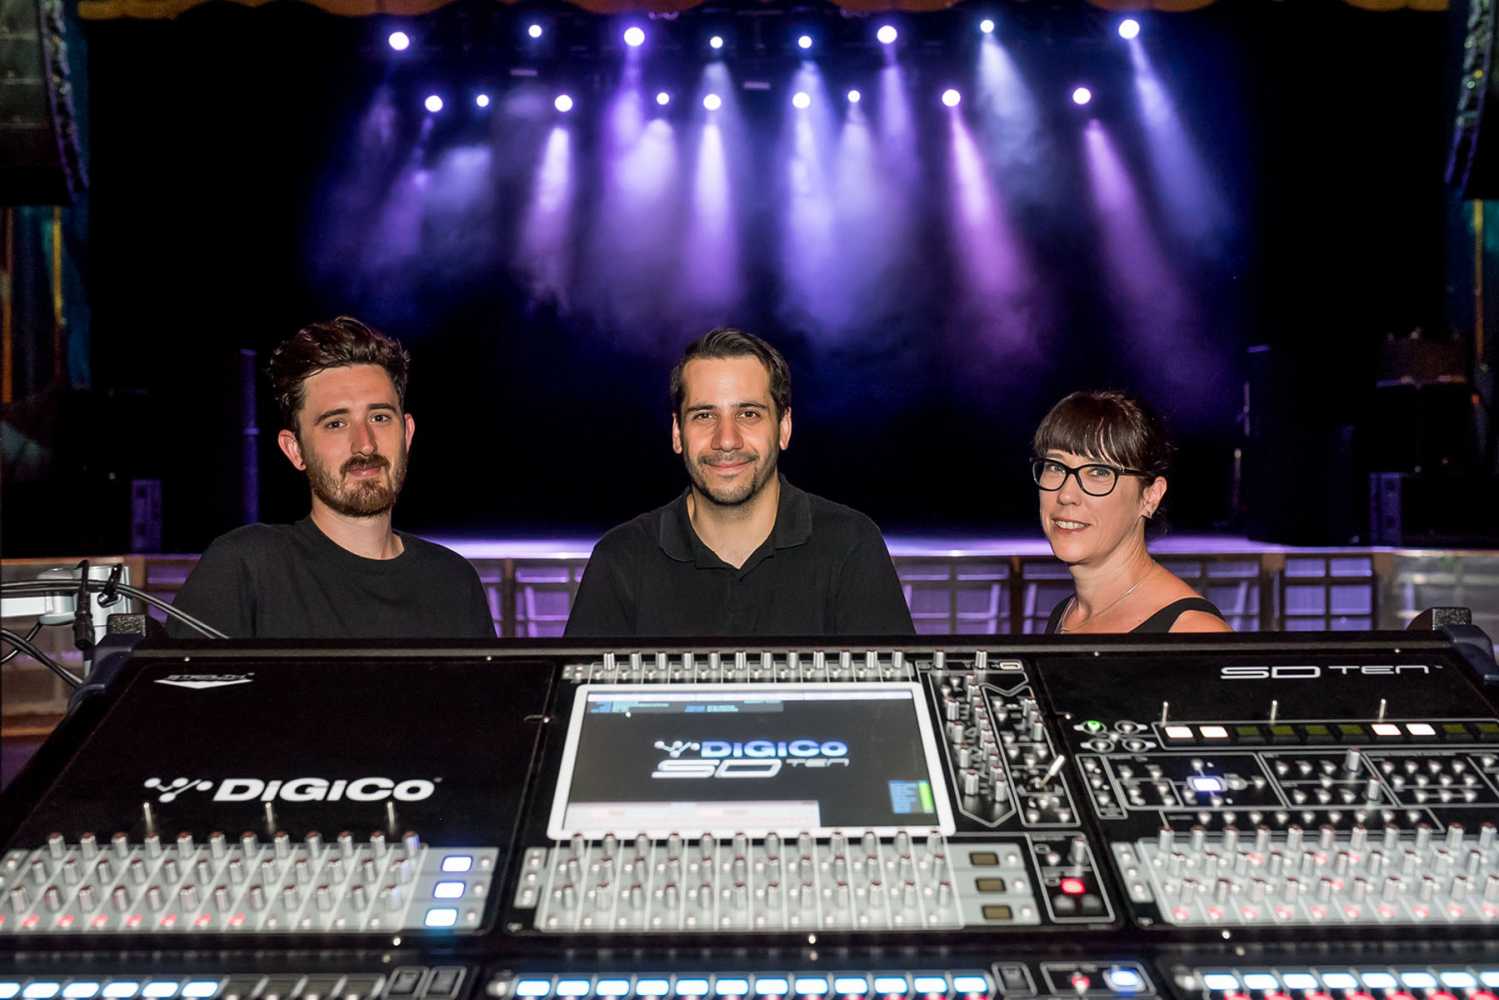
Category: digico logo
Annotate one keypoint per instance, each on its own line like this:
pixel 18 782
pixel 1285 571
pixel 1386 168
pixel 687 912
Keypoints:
pixel 373 789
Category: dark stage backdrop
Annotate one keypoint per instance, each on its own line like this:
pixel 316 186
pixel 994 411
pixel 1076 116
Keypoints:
pixel 246 179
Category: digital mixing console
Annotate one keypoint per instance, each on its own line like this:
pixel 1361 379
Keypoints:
pixel 1225 819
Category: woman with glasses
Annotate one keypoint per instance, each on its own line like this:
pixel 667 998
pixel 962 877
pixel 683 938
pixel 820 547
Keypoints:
pixel 1101 461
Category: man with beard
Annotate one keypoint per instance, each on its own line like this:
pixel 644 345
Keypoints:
pixel 742 551
pixel 342 572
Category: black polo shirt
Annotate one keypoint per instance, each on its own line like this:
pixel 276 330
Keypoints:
pixel 824 570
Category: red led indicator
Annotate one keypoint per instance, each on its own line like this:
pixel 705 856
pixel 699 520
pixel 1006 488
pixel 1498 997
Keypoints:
pixel 1074 886
pixel 237 920
pixel 65 921
pixel 203 920
pixel 1318 996
pixel 134 920
pixel 1399 995
pixel 1440 995
pixel 1482 995
pixel 100 919
pixel 1276 996
pixel 1080 982
pixel 31 921
pixel 1357 996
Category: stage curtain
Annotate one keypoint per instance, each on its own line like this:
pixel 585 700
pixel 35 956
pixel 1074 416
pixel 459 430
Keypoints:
pixel 103 10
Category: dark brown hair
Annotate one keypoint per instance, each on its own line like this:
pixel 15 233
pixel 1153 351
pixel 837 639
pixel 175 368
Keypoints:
pixel 727 342
pixel 1107 426
pixel 336 343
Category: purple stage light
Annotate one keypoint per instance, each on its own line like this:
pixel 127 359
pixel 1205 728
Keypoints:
pixel 1129 28
pixel 433 103
pixel 887 34
pixel 951 97
pixel 854 97
pixel 716 42
pixel 481 100
pixel 801 100
pixel 534 31
pixel 713 102
pixel 987 25
pixel 663 98
pixel 563 103
pixel 634 37
pixel 804 42
pixel 398 40
pixel 1081 96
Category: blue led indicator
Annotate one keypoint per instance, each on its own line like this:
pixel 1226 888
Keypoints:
pixel 894 986
pixel 573 987
pixel 652 987
pixel 734 987
pixel 850 985
pixel 931 984
pixel 201 988
pixel 80 989
pixel 970 984
pixel 812 986
pixel 1122 980
pixel 614 987
pixel 41 991
pixel 533 987
pixel 771 986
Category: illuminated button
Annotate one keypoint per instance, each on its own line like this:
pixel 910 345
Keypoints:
pixel 533 987
pixel 122 989
pixel 159 988
pixel 1490 978
pixel 1299 981
pixel 1179 733
pixel 1421 729
pixel 771 986
pixel 574 987
pixel 8 989
pixel 970 985
pixel 201 988
pixel 1459 980
pixel 652 988
pixel 455 863
pixel 1419 980
pixel 81 989
pixel 441 916
pixel 41 991
pixel 1339 981
pixel 1260 981
pixel 932 986
pixel 1385 730
pixel 1379 981
pixel 1213 732
pixel 1222 982
pixel 891 986
pixel 811 986
pixel 448 890
pixel 1122 980
pixel 692 987
pixel 1206 783
pixel 1073 886
pixel 614 988
pixel 733 987
pixel 850 985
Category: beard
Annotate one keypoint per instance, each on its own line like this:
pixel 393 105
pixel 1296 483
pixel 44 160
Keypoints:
pixel 735 494
pixel 363 497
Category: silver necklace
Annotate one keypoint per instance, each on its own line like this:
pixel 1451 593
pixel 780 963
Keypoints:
pixel 1061 627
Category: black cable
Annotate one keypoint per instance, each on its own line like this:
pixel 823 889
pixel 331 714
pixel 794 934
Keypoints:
pixel 62 587
pixel 35 628
pixel 26 646
pixel 83 614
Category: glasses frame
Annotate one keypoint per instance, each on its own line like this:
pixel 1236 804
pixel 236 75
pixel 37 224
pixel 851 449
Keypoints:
pixel 1076 473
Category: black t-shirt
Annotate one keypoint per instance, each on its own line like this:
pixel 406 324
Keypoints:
pixel 824 570
pixel 291 581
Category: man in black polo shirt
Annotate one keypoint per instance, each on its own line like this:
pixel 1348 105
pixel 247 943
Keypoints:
pixel 742 551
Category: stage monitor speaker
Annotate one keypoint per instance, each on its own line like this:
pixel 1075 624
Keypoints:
pixel 1474 165
pixel 41 161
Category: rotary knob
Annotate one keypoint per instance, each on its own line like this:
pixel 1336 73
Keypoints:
pixel 314 841
pixel 57 846
pixel 282 845
pixel 88 846
pixel 359 897
pixel 189 897
pixel 221 899
pixel 185 845
pixel 153 845
pixel 218 845
pixel 249 843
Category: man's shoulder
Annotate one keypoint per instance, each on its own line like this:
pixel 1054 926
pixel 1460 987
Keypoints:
pixel 434 553
pixel 835 522
pixel 640 534
pixel 251 539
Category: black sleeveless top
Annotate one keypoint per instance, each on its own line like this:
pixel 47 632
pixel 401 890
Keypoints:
pixel 1161 621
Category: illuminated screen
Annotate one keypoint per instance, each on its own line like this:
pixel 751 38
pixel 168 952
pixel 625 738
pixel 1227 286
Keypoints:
pixel 660 759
